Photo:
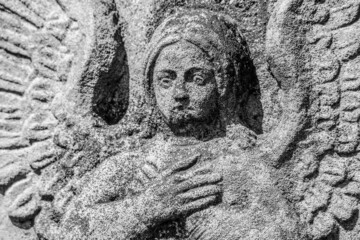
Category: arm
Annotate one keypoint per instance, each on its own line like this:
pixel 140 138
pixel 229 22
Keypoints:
pixel 175 192
pixel 95 214
pixel 105 221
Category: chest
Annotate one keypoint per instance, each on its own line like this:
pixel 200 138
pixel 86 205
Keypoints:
pixel 241 176
pixel 244 190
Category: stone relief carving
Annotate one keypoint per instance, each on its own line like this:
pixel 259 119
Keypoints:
pixel 197 76
pixel 144 120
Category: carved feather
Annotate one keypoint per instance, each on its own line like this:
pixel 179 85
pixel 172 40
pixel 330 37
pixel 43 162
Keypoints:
pixel 326 159
pixel 38 43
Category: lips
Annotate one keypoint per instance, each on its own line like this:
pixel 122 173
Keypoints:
pixel 182 108
pixel 180 115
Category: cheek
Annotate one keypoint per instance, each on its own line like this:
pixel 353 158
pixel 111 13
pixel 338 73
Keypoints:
pixel 204 101
pixel 203 97
pixel 162 98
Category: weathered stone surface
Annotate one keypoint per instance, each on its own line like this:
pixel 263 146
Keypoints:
pixel 180 119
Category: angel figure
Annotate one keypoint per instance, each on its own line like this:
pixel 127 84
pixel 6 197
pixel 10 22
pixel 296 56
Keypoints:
pixel 197 177
pixel 79 159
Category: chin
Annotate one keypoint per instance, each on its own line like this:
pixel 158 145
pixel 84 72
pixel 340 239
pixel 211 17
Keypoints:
pixel 185 120
pixel 180 118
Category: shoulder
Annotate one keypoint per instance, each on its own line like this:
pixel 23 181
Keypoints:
pixel 110 179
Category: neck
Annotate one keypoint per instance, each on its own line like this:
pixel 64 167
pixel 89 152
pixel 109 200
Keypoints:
pixel 197 130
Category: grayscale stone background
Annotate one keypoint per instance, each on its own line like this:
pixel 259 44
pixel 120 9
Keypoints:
pixel 71 97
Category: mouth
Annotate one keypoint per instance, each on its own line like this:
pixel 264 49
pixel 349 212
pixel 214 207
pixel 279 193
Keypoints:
pixel 180 115
pixel 181 108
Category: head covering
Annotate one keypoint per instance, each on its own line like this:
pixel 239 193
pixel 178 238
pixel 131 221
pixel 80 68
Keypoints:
pixel 219 36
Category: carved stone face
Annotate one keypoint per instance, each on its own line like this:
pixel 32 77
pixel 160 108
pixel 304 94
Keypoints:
pixel 184 84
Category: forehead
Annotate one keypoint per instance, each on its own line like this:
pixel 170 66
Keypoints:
pixel 180 56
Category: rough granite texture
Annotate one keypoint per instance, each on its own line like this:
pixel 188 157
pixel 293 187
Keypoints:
pixel 179 119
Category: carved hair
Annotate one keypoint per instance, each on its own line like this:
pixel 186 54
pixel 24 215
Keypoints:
pixel 219 36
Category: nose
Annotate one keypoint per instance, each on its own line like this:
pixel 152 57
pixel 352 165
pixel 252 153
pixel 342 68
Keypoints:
pixel 180 93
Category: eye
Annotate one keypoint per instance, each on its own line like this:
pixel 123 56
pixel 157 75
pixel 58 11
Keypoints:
pixel 199 79
pixel 199 76
pixel 165 82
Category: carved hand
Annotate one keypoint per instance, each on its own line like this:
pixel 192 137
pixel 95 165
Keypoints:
pixel 180 191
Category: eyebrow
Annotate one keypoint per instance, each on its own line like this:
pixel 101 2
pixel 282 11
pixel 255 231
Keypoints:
pixel 200 68
pixel 169 72
pixel 166 71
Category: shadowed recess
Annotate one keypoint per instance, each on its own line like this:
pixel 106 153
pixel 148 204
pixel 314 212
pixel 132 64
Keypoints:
pixel 111 93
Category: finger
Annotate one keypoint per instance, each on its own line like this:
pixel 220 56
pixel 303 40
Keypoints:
pixel 186 164
pixel 203 170
pixel 150 171
pixel 199 180
pixel 142 176
pixel 202 192
pixel 198 205
pixel 200 171
pixel 178 178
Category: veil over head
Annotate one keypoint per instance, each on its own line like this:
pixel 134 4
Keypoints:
pixel 219 36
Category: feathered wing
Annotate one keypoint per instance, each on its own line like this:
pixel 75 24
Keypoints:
pixel 62 72
pixel 285 57
pixel 36 51
pixel 326 162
